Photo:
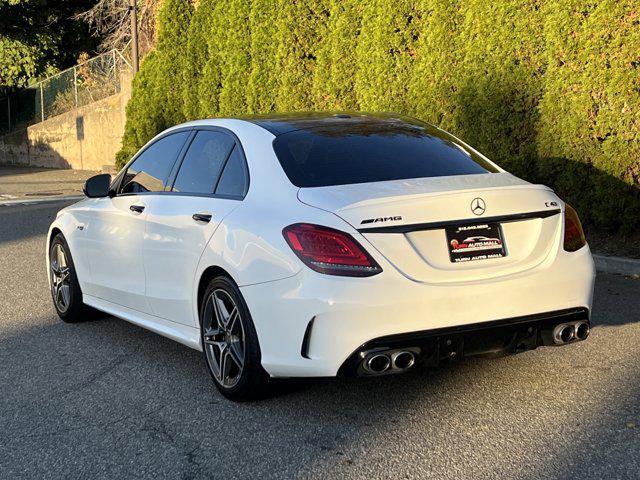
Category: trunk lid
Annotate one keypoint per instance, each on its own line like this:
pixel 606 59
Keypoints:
pixel 406 221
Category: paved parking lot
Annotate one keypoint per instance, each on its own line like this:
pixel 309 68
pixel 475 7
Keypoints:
pixel 27 183
pixel 105 399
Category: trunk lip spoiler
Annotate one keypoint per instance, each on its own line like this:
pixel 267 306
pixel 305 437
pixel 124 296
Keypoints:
pixel 416 227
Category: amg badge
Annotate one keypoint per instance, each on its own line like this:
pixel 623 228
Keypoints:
pixel 381 219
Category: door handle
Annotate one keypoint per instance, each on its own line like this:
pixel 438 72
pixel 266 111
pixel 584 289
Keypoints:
pixel 202 217
pixel 136 208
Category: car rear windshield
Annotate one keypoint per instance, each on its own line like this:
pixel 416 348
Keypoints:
pixel 373 152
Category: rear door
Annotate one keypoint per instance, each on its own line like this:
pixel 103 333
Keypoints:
pixel 210 181
pixel 114 233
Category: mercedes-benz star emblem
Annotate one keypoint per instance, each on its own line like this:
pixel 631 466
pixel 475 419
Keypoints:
pixel 478 206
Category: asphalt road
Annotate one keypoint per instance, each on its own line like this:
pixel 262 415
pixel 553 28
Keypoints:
pixel 106 399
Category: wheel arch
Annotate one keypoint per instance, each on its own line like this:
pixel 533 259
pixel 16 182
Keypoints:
pixel 207 275
pixel 54 231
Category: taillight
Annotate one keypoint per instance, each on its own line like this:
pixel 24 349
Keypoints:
pixel 329 251
pixel 573 233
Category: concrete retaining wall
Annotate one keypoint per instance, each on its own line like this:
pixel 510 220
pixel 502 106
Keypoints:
pixel 86 138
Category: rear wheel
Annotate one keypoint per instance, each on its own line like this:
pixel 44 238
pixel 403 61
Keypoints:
pixel 230 342
pixel 65 289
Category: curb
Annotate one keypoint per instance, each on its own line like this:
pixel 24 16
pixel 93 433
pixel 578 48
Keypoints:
pixel 31 201
pixel 618 265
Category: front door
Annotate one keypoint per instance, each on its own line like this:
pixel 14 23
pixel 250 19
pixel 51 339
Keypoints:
pixel 113 244
pixel 115 231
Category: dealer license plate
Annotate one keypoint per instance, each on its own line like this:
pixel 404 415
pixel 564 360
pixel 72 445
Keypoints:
pixel 468 243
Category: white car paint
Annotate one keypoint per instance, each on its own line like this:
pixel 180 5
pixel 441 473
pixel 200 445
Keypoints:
pixel 146 268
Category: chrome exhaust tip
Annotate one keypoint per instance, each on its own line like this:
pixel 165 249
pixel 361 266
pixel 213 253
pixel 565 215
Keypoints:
pixel 563 333
pixel 403 360
pixel 377 363
pixel 582 330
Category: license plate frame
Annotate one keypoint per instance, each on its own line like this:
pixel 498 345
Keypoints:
pixel 473 242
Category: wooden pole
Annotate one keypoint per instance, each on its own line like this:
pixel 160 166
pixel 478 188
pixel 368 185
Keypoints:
pixel 134 35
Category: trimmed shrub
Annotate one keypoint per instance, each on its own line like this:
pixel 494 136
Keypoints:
pixel 197 53
pixel 210 85
pixel 433 82
pixel 301 27
pixel 236 62
pixel 498 80
pixel 590 107
pixel 550 89
pixel 385 55
pixel 173 27
pixel 145 118
pixel 263 79
pixel 333 87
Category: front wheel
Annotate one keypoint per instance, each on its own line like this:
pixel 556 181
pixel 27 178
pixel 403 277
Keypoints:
pixel 65 289
pixel 230 342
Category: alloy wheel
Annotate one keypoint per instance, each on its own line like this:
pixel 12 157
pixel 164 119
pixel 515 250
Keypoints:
pixel 223 336
pixel 60 278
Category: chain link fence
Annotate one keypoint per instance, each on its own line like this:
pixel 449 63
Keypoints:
pixel 81 85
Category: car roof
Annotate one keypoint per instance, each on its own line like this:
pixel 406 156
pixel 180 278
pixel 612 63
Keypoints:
pixel 281 123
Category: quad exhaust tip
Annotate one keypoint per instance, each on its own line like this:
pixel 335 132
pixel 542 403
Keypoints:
pixel 582 330
pixel 389 361
pixel 378 363
pixel 567 332
pixel 403 360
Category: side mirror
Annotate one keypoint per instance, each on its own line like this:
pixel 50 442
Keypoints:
pixel 97 186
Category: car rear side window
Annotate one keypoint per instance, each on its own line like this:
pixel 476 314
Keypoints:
pixel 373 152
pixel 234 181
pixel 203 162
pixel 149 172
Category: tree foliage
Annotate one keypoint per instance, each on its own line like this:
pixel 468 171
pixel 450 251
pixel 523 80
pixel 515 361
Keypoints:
pixel 39 37
pixel 548 88
pixel 110 21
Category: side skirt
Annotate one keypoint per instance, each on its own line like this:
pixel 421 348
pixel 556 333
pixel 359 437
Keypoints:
pixel 184 334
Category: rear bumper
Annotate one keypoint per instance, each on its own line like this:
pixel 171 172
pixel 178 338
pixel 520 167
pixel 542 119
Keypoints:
pixel 507 336
pixel 312 324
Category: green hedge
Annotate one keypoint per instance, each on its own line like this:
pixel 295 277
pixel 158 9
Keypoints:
pixel 550 89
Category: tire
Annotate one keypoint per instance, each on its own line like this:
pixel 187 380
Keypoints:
pixel 230 344
pixel 65 289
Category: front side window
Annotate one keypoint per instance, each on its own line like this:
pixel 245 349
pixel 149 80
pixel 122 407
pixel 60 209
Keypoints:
pixel 203 162
pixel 373 152
pixel 150 171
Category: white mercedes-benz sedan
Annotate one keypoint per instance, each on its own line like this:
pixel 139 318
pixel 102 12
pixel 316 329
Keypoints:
pixel 309 245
